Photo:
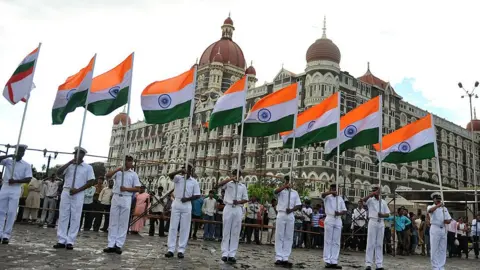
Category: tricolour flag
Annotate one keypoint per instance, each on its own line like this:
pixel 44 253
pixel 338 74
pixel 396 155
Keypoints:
pixel 20 84
pixel 170 99
pixel 110 90
pixel 272 114
pixel 316 124
pixel 361 126
pixel 413 142
pixel 72 93
pixel 229 108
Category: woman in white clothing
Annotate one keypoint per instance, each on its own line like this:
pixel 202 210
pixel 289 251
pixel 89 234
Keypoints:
pixel 462 236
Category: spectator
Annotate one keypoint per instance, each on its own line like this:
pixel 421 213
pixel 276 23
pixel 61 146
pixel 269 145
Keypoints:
pixel 196 214
pixel 21 203
pixel 219 216
pixel 401 221
pixel 307 223
pixel 208 209
pixel 158 210
pixel 452 230
pixel 105 198
pixel 297 236
pixel 141 206
pixel 50 201
pixel 87 216
pixel 462 235
pixel 316 228
pixel 252 216
pixel 272 217
pixel 421 224
pixel 476 234
pixel 359 231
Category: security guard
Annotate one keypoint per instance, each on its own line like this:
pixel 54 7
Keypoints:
pixel 439 217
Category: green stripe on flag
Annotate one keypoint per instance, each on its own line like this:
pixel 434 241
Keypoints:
pixel 364 137
pixel 164 116
pixel 318 135
pixel 425 152
pixel 76 100
pixel 106 106
pixel 227 117
pixel 24 67
pixel 267 129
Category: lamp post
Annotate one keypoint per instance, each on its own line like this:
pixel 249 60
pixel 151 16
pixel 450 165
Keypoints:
pixel 49 159
pixel 471 94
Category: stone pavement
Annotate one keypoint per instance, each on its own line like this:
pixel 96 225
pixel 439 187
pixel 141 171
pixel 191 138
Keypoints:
pixel 31 248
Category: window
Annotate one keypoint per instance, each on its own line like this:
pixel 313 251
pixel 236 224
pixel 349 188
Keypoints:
pixel 403 173
pixel 444 168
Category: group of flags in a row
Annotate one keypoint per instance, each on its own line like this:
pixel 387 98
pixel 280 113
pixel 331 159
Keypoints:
pixel 173 98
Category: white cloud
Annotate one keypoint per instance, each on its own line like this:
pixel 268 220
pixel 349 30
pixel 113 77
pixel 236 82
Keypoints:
pixel 431 41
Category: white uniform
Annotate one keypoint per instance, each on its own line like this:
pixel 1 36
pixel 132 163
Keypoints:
pixel 232 218
pixel 333 228
pixel 285 224
pixel 438 237
pixel 120 207
pixel 376 231
pixel 71 206
pixel 10 194
pixel 181 212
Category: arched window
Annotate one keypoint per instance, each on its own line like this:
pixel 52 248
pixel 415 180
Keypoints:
pixel 403 119
pixel 444 168
pixel 403 173
pixel 444 135
pixel 414 174
pixel 452 153
pixel 444 151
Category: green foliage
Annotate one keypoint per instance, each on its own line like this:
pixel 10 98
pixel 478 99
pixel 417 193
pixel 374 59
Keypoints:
pixel 99 169
pixel 263 193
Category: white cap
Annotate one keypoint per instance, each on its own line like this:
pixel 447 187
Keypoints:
pixel 436 194
pixel 81 149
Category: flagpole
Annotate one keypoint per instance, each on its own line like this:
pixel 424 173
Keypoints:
pixel 127 124
pixel 241 137
pixel 77 155
pixel 24 114
pixel 380 139
pixel 337 174
pixel 292 158
pixel 438 167
pixel 192 109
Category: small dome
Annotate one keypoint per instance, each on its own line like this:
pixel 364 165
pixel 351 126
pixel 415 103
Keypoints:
pixel 323 49
pixel 251 70
pixel 476 125
pixel 121 117
pixel 228 21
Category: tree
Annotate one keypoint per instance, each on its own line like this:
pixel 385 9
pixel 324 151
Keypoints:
pixel 99 169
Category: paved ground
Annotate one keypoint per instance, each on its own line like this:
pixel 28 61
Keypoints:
pixel 31 248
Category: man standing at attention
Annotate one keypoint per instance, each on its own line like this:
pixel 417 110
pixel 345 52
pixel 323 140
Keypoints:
pixel 16 173
pixel 50 201
pixel 334 209
pixel 186 190
pixel 377 211
pixel 235 196
pixel 158 211
pixel 208 209
pixel 288 202
pixel 78 177
pixel 126 183
pixel 439 217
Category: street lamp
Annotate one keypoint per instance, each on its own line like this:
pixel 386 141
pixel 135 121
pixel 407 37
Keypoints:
pixel 45 151
pixel 471 94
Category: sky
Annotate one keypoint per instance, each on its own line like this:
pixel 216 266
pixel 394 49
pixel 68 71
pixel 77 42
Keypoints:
pixel 423 48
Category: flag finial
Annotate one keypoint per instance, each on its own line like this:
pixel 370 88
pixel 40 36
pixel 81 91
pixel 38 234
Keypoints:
pixel 251 63
pixel 368 66
pixel 324 35
pixel 229 13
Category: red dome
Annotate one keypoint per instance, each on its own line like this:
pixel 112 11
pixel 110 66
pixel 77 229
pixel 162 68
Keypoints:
pixel 121 117
pixel 228 21
pixel 229 50
pixel 251 71
pixel 476 125
pixel 323 49
pixel 218 58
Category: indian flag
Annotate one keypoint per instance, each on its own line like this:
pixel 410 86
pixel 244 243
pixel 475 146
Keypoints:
pixel 361 126
pixel 111 89
pixel 229 108
pixel 273 114
pixel 317 124
pixel 72 93
pixel 20 84
pixel 170 99
pixel 413 142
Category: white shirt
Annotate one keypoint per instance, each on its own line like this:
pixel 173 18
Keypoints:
pixel 192 189
pixel 51 188
pixel 89 192
pixel 22 170
pixel 209 206
pixel 436 218
pixel 307 213
pixel 452 227
pixel 330 205
pixel 230 192
pixel 84 173
pixel 474 228
pixel 272 214
pixel 130 180
pixel 158 207
pixel 282 200
pixel 359 216
pixel 34 185
pixel 373 204
pixel 105 196
pixel 252 210
pixel 460 229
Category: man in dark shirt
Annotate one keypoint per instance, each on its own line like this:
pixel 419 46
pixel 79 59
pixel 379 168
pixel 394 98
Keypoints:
pixel 219 217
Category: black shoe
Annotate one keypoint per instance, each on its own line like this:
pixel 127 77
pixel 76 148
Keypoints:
pixel 335 266
pixel 103 230
pixel 51 226
pixel 287 264
pixel 169 254
pixel 5 241
pixel 381 268
pixel 368 268
pixel 224 258
pixel 109 250
pixel 180 255
pixel 69 247
pixel 118 250
pixel 58 245
pixel 232 260
pixel 278 262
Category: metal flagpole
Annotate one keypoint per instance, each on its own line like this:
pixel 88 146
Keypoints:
pixel 127 124
pixel 77 155
pixel 292 158
pixel 192 109
pixel 337 174
pixel 380 137
pixel 24 114
pixel 239 165
pixel 437 159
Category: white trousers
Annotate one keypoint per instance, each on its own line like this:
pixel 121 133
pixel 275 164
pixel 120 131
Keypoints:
pixel 49 203
pixel 71 207
pixel 438 246
pixel 8 211
pixel 376 230
pixel 232 223
pixel 118 224
pixel 284 236
pixel 331 243
pixel 181 214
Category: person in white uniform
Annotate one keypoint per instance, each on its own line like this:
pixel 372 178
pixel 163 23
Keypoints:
pixel 11 190
pixel 186 190
pixel 288 201
pixel 334 209
pixel 236 196
pixel 78 176
pixel 126 183
pixel 439 217
pixel 377 211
